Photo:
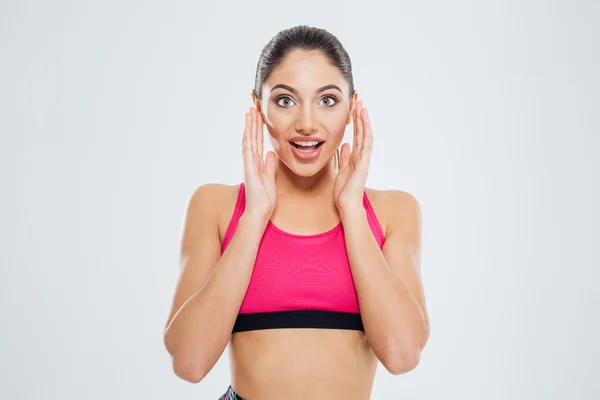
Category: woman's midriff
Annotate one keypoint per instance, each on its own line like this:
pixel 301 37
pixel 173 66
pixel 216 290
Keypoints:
pixel 302 364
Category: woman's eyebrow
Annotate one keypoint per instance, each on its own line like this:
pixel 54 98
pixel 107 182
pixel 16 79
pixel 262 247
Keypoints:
pixel 319 90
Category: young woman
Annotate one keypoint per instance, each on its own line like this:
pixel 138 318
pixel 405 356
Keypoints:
pixel 310 277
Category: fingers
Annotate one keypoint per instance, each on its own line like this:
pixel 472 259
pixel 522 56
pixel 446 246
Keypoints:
pixel 252 142
pixel 254 130
pixel 367 144
pixel 358 128
pixel 247 144
pixel 344 156
pixel 270 164
pixel 368 133
pixel 261 136
pixel 245 141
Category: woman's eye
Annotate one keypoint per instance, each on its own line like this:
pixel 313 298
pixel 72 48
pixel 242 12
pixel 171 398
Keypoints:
pixel 286 104
pixel 332 101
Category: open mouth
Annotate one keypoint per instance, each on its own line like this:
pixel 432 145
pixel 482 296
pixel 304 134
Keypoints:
pixel 307 146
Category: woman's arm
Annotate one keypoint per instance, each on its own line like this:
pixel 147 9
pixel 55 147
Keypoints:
pixel 388 282
pixel 210 287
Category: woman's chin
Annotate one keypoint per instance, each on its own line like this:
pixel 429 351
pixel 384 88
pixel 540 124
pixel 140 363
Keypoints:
pixel 307 170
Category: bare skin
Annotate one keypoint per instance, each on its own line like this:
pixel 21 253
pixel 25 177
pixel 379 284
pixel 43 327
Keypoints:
pixel 301 363
pixel 303 198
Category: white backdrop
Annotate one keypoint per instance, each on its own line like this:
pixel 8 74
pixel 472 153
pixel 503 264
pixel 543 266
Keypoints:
pixel 112 113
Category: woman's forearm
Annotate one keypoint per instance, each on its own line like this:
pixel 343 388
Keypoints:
pixel 393 320
pixel 201 328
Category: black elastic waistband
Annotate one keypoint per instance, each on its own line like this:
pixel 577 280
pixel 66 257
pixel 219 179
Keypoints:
pixel 298 319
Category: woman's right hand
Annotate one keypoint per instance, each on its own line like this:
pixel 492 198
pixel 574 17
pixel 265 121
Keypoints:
pixel 259 174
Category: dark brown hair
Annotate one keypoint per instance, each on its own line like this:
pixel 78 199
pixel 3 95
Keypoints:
pixel 302 37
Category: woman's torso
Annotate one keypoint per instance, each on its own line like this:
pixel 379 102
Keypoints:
pixel 303 363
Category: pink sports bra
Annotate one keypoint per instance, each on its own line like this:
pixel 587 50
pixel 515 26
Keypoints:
pixel 300 281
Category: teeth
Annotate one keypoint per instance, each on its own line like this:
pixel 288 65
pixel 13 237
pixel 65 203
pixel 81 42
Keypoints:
pixel 313 143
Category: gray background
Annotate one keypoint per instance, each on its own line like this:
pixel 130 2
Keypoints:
pixel 113 112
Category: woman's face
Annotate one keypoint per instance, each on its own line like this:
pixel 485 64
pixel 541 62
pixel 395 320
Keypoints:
pixel 306 100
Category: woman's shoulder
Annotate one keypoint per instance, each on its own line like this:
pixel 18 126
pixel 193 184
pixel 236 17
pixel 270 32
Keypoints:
pixel 218 199
pixel 391 205
pixel 389 195
pixel 215 193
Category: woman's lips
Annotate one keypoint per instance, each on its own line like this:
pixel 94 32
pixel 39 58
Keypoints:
pixel 306 155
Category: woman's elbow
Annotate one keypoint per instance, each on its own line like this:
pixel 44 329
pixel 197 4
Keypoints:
pixel 187 371
pixel 184 368
pixel 403 363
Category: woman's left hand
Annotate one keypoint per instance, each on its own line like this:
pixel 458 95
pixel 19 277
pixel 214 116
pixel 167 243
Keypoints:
pixel 349 186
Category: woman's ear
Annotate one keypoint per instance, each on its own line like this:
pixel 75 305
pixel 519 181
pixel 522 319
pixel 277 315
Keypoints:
pixel 257 104
pixel 353 102
pixel 255 101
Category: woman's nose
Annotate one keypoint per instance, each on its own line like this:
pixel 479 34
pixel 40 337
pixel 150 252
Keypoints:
pixel 306 121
